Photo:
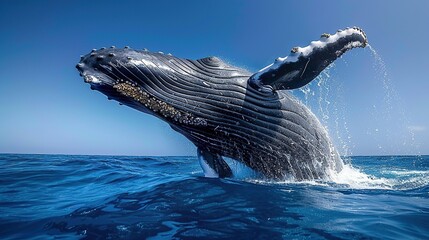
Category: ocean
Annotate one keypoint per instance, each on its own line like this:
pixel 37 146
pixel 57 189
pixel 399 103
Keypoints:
pixel 118 197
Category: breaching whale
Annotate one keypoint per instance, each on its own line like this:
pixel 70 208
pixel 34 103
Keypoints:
pixel 228 111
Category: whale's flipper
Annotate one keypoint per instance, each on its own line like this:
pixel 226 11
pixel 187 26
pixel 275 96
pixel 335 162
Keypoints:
pixel 213 165
pixel 304 64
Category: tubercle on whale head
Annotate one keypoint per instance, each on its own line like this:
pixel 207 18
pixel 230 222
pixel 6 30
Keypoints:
pixel 303 64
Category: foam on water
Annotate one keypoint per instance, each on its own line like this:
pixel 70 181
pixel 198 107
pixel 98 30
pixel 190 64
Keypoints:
pixel 348 178
pixel 353 178
pixel 407 173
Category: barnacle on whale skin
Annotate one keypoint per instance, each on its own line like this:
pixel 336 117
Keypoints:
pixel 127 89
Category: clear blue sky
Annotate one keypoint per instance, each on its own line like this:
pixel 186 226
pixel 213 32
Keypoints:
pixel 45 107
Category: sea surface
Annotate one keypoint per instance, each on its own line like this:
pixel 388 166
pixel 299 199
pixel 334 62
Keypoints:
pixel 118 197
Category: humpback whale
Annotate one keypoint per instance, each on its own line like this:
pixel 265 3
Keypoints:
pixel 227 111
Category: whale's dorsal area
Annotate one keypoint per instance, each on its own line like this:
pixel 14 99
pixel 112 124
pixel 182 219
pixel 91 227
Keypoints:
pixel 227 111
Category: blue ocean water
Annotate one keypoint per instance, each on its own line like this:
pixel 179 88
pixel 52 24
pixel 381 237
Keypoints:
pixel 111 197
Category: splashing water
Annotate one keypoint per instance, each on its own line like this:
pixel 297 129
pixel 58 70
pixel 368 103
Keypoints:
pixel 392 105
pixel 387 173
pixel 381 70
pixel 326 99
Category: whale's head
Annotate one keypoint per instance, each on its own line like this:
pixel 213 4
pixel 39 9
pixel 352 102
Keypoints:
pixel 138 79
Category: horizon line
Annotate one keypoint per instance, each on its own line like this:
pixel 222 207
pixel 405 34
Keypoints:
pixel 123 155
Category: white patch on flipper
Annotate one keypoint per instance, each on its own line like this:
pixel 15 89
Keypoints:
pixel 208 171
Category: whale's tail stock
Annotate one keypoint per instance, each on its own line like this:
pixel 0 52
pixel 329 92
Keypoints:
pixel 305 63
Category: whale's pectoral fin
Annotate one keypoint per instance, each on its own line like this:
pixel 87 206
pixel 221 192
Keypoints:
pixel 213 165
pixel 304 64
